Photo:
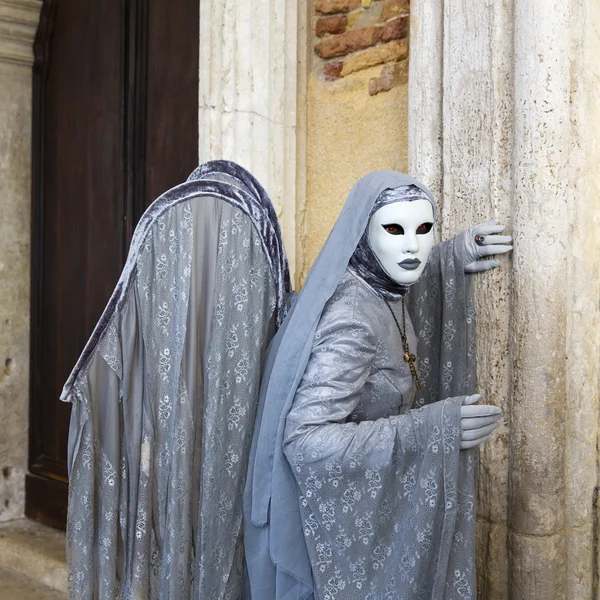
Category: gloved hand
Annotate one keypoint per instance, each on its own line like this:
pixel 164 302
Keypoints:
pixel 477 422
pixel 490 244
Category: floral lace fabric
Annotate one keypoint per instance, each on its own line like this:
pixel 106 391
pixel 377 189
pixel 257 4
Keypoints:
pixel 163 409
pixel 385 495
pixel 353 494
pixel 442 308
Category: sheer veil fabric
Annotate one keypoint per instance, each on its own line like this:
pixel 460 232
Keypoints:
pixel 304 539
pixel 165 393
pixel 181 398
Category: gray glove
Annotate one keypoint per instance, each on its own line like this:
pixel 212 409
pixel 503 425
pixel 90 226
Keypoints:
pixel 491 243
pixel 477 422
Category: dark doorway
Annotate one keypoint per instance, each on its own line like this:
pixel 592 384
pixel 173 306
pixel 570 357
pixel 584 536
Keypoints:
pixel 115 124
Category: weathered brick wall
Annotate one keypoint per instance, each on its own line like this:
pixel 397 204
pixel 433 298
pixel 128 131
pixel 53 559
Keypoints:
pixel 352 35
pixel 356 49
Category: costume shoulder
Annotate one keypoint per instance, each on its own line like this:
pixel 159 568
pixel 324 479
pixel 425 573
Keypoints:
pixel 353 303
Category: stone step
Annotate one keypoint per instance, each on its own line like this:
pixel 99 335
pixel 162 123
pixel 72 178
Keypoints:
pixel 36 553
pixel 15 586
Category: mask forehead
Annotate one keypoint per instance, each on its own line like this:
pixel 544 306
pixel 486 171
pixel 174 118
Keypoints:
pixel 412 213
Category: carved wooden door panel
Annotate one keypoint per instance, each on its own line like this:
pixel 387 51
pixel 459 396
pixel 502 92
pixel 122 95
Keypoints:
pixel 115 104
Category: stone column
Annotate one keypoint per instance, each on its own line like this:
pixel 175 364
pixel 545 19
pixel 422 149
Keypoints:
pixel 538 328
pixel 514 84
pixel 583 317
pixel 248 92
pixel 18 22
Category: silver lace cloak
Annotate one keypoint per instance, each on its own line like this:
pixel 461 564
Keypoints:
pixel 356 488
pixel 164 396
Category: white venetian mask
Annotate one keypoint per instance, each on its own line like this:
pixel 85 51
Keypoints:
pixel 401 236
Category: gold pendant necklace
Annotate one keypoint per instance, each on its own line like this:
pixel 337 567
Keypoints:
pixel 408 356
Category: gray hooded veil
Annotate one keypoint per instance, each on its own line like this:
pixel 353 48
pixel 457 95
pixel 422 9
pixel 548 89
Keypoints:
pixel 164 396
pixel 374 509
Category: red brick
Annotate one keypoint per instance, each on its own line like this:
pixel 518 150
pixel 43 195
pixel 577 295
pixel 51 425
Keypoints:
pixel 334 24
pixel 396 29
pixel 330 7
pixel 391 52
pixel 333 70
pixel 339 45
pixel 393 8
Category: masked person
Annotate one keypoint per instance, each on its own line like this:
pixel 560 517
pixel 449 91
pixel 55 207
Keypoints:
pixel 165 393
pixel 361 481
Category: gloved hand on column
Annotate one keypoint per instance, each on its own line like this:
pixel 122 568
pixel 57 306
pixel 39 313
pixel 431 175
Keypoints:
pixel 477 422
pixel 481 241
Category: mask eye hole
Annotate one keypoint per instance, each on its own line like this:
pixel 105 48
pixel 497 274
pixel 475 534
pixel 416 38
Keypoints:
pixel 424 228
pixel 393 229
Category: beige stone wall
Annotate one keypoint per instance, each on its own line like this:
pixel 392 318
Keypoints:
pixel 15 96
pixel 505 121
pixel 18 20
pixel 583 313
pixel 248 93
pixel 356 120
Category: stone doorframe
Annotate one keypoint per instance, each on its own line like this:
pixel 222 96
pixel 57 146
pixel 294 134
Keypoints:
pixel 253 99
pixel 18 25
pixel 504 118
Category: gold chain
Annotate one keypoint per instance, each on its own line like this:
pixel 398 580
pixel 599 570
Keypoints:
pixel 408 356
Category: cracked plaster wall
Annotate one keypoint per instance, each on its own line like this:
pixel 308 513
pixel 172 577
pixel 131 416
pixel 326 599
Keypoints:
pixel 348 134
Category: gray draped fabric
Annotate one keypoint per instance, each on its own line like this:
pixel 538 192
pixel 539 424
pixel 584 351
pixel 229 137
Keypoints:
pixel 351 493
pixel 165 394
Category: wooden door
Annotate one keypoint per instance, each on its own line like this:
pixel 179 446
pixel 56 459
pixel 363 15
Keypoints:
pixel 115 124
